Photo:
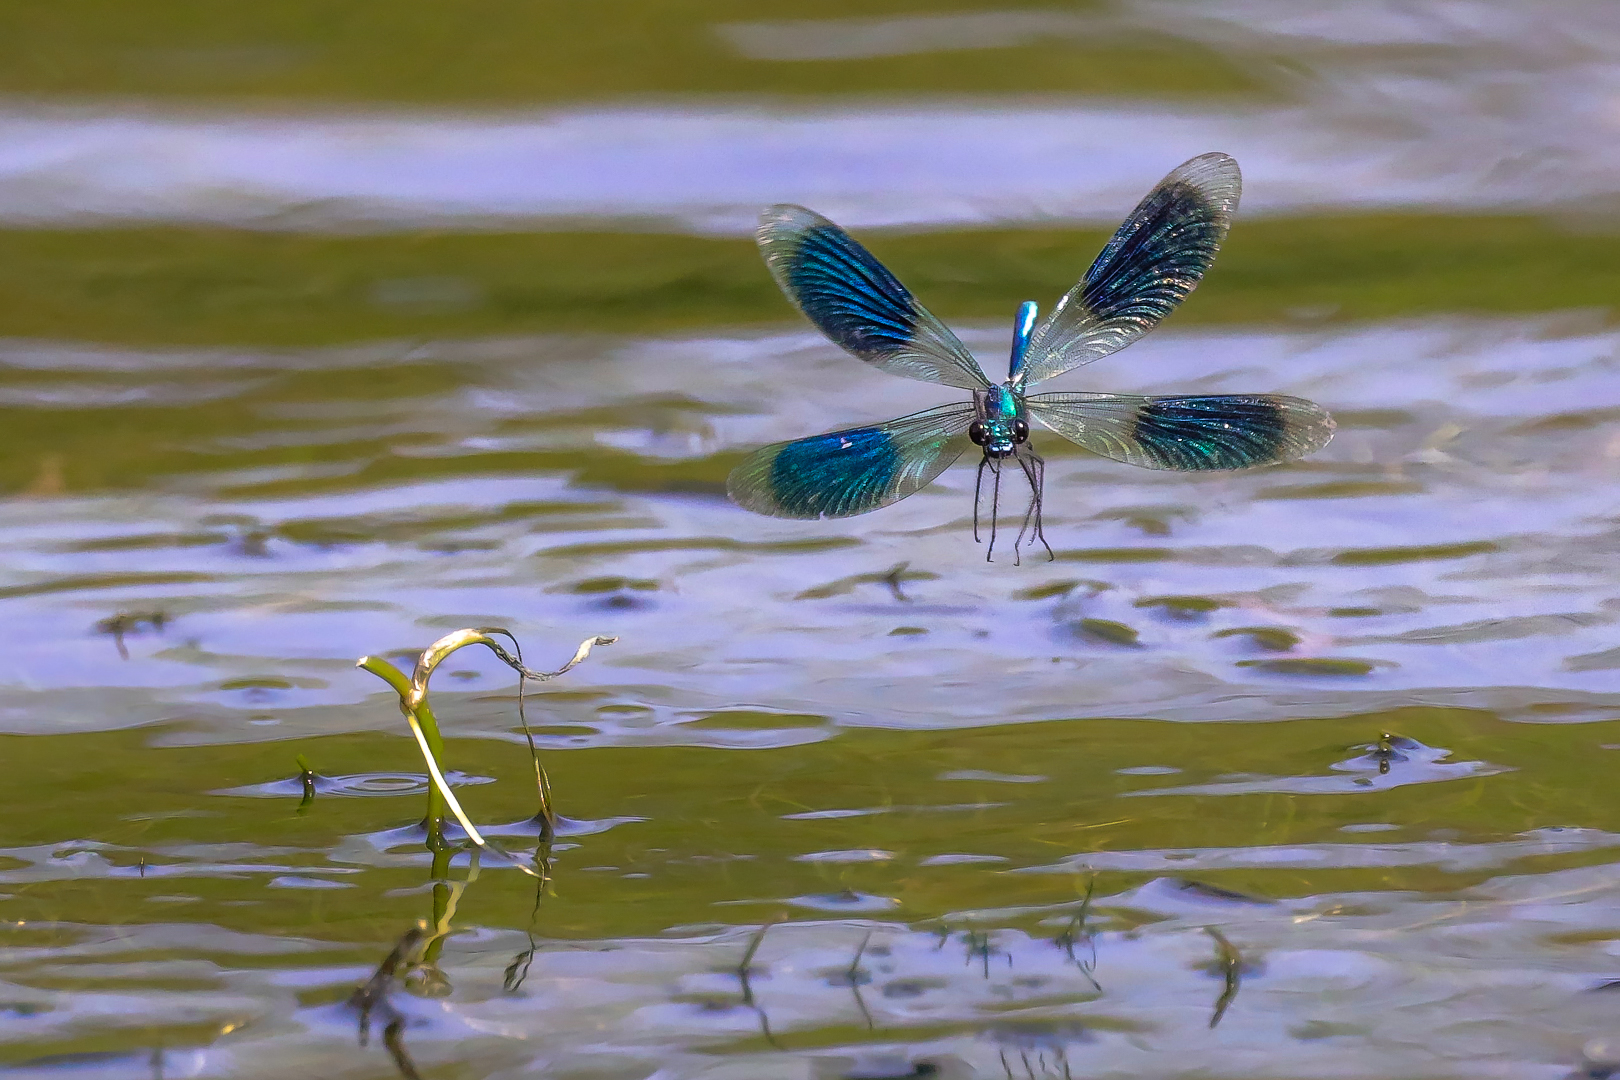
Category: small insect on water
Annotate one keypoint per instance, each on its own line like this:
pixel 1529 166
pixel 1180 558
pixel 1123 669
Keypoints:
pixel 1155 259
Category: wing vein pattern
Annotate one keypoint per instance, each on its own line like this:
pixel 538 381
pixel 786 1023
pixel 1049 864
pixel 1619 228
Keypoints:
pixel 856 302
pixel 848 472
pixel 1191 433
pixel 1158 256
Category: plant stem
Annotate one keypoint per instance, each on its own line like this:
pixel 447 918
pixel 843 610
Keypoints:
pixel 388 673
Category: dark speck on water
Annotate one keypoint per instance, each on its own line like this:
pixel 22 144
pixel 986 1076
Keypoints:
pixel 126 623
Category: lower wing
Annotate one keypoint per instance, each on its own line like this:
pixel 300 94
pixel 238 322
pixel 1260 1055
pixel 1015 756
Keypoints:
pixel 844 473
pixel 1198 432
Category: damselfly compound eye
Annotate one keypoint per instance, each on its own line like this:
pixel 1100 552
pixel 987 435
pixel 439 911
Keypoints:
pixel 976 432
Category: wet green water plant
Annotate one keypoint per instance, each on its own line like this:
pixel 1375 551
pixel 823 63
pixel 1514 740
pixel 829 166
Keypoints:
pixel 413 703
pixel 306 779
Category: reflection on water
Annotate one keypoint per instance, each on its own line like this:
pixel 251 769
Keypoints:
pixel 1152 978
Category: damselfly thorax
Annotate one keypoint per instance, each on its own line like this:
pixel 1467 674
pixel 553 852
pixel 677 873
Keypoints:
pixel 1001 428
pixel 1001 425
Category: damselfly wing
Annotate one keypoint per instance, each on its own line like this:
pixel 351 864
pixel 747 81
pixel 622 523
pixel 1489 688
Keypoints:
pixel 1158 256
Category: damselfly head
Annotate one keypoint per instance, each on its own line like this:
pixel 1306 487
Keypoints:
pixel 1000 437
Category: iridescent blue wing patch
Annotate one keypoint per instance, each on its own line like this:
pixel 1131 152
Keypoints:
pixel 1156 258
pixel 1196 433
pixel 843 473
pixel 855 301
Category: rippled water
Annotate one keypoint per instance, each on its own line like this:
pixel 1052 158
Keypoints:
pixel 1299 772
pixel 860 725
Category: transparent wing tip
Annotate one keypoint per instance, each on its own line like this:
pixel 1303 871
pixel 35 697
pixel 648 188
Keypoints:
pixel 1316 427
pixel 1214 163
pixel 1215 174
pixel 1304 427
pixel 788 214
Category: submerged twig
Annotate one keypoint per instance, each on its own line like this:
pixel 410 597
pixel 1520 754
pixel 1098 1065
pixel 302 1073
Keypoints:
pixel 744 971
pixel 748 955
pixel 1230 964
pixel 854 976
pixel 424 725
pixel 1078 932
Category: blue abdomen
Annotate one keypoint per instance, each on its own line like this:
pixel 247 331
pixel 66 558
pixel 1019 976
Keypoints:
pixel 1023 327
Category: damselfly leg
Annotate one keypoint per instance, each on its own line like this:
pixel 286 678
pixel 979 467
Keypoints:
pixel 1034 467
pixel 994 465
pixel 978 488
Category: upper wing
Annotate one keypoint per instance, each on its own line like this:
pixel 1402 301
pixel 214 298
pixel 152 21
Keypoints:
pixel 1155 259
pixel 843 473
pixel 1205 431
pixel 857 303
